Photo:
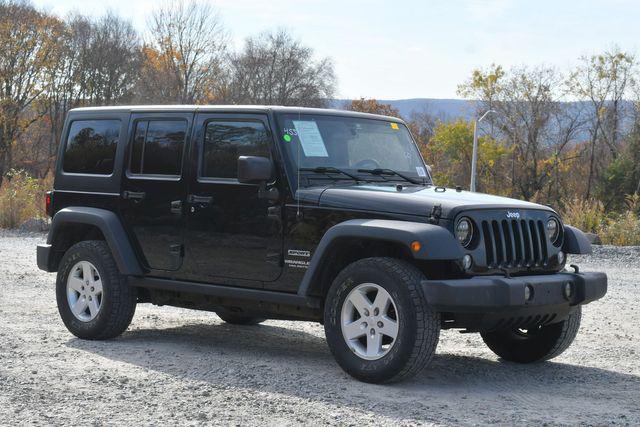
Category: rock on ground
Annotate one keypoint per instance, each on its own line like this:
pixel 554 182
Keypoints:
pixel 183 367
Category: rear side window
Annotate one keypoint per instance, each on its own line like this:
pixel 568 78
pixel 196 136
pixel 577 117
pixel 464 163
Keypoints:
pixel 225 141
pixel 91 147
pixel 157 147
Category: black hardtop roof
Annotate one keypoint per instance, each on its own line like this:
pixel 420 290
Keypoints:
pixel 246 109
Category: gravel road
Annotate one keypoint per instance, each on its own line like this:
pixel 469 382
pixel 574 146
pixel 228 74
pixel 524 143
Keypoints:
pixel 175 366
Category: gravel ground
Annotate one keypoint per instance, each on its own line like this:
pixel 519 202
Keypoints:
pixel 176 366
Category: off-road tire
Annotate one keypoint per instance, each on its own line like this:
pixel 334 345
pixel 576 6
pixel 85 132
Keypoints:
pixel 418 325
pixel 238 319
pixel 543 344
pixel 118 298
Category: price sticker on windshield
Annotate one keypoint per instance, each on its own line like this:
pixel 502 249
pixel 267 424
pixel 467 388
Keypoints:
pixel 394 126
pixel 310 138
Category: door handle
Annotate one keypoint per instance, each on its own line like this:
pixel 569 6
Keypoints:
pixel 133 195
pixel 202 200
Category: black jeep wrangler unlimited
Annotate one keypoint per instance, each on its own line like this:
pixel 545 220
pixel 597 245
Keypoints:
pixel 290 213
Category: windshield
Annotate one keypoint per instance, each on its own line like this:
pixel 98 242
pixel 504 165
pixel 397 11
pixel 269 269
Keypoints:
pixel 354 145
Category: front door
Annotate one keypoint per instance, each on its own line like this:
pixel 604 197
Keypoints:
pixel 154 189
pixel 234 233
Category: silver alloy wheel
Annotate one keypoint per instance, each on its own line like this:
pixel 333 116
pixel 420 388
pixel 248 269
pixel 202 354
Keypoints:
pixel 369 321
pixel 84 291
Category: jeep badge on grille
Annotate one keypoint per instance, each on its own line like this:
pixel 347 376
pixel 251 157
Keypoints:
pixel 513 215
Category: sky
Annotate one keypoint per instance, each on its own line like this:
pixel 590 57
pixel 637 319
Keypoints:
pixel 416 49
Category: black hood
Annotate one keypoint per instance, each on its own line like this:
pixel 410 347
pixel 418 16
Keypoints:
pixel 411 200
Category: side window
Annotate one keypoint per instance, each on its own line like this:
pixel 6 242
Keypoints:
pixel 225 141
pixel 157 147
pixel 91 147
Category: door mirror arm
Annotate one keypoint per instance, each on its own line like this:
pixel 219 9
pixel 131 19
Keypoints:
pixel 271 194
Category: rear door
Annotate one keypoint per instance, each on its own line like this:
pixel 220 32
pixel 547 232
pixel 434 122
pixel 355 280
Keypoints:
pixel 154 191
pixel 234 232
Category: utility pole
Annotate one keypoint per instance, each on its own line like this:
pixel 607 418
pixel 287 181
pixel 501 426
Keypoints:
pixel 474 157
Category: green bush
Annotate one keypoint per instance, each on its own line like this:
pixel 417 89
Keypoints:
pixel 587 215
pixel 21 198
pixel 623 229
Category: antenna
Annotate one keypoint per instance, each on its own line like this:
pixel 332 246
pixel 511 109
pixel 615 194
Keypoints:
pixel 298 215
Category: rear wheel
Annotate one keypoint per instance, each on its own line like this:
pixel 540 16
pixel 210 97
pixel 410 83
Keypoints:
pixel 537 344
pixel 238 319
pixel 377 323
pixel 94 300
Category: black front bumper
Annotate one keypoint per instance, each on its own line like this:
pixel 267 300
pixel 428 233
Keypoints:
pixel 496 294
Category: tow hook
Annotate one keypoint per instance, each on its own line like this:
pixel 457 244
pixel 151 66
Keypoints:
pixel 506 273
pixel 576 269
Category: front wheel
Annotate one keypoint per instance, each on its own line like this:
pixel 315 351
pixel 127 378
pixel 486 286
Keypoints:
pixel 377 323
pixel 536 344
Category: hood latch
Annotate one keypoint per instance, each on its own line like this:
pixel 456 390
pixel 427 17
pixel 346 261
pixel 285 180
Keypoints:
pixel 436 213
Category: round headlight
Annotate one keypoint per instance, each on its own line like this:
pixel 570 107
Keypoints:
pixel 464 231
pixel 553 229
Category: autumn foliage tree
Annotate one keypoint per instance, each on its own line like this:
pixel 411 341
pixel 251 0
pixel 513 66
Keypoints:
pixel 276 69
pixel 372 106
pixel 28 40
pixel 183 58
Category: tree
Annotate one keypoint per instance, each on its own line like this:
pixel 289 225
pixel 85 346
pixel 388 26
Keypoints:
pixel 603 81
pixel 530 118
pixel 450 151
pixel 98 63
pixel 183 57
pixel 29 49
pixel 423 126
pixel 372 106
pixel 109 59
pixel 275 69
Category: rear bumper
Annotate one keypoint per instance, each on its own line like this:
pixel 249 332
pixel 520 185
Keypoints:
pixel 506 296
pixel 44 257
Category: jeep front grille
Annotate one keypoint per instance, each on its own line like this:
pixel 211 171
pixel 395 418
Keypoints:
pixel 514 243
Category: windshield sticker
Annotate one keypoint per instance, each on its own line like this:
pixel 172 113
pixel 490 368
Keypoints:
pixel 394 126
pixel 310 138
pixel 421 172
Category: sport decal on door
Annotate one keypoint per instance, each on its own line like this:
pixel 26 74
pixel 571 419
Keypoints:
pixel 297 263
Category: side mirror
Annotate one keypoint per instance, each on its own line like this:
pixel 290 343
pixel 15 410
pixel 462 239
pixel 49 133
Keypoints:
pixel 253 170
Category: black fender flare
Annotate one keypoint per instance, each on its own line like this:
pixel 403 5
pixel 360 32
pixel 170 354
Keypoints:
pixel 575 241
pixel 110 226
pixel 437 242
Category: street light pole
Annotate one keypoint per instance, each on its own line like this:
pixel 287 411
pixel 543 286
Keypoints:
pixel 474 157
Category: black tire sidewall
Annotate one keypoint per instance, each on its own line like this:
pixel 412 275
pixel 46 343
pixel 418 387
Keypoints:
pixel 394 361
pixel 237 319
pixel 85 252
pixel 547 343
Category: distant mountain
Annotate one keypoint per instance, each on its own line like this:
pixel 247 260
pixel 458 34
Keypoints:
pixel 445 109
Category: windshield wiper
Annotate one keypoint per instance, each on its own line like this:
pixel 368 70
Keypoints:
pixel 331 169
pixel 380 171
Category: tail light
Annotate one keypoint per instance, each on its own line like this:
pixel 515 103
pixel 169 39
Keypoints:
pixel 48 202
